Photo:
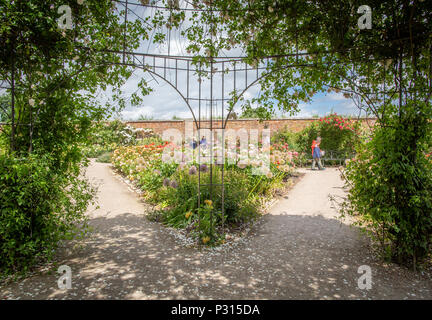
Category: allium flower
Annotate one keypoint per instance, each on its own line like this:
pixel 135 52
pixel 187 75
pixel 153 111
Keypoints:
pixel 192 170
pixel 166 182
pixel 174 184
pixel 203 168
pixel 241 165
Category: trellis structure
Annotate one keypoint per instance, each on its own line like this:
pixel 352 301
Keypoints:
pixel 196 85
pixel 210 109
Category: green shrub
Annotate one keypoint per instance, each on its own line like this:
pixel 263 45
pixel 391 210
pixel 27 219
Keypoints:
pixel 157 140
pixel 174 188
pixel 337 133
pixel 286 137
pixel 104 157
pixel 108 136
pixel 390 188
pixel 242 199
pixel 39 207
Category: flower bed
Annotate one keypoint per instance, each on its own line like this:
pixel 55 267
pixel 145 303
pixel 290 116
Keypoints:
pixel 172 187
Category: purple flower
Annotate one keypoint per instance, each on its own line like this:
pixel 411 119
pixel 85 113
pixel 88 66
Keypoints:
pixel 166 182
pixel 192 170
pixel 174 184
pixel 156 171
pixel 203 168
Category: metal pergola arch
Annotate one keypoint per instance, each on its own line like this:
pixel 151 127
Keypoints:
pixel 142 59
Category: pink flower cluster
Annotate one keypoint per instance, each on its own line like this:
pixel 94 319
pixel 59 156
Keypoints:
pixel 338 122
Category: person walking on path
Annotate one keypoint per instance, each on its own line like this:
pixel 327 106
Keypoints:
pixel 203 142
pixel 316 154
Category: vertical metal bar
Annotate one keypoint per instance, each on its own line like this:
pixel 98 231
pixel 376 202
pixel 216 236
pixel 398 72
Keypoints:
pixel 223 96
pixel 296 39
pixel 165 68
pixel 187 85
pixel 223 149
pixel 176 73
pixel 125 31
pixel 199 145
pixel 235 74
pixel 12 148
pixel 199 96
pixel 211 122
pixel 211 141
pixel 246 71
pixel 384 83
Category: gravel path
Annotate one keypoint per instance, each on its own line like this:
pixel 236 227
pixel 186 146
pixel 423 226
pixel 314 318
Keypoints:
pixel 297 251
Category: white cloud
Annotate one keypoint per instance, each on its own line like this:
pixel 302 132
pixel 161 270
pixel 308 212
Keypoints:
pixel 134 114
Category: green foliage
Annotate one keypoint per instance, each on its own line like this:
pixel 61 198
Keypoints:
pixel 55 74
pixel 173 189
pixel 390 183
pixel 243 196
pixel 255 113
pixel 5 102
pixel 155 139
pixel 287 137
pixel 143 117
pixel 104 157
pixel 337 133
pixel 107 136
pixel 40 207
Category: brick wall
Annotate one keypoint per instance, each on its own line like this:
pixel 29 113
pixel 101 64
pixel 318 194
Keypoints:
pixel 159 126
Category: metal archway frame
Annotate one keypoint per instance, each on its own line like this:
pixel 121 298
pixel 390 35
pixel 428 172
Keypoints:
pixel 134 58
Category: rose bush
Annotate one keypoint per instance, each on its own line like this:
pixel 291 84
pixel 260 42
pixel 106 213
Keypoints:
pixel 338 133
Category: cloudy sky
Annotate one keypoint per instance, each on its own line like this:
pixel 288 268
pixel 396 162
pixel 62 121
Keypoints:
pixel 165 102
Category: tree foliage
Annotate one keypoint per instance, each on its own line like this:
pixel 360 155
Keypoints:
pixel 53 75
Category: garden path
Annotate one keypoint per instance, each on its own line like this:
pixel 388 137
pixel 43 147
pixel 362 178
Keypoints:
pixel 297 251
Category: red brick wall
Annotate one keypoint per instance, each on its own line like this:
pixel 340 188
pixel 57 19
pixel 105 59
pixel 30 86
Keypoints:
pixel 295 125
pixel 159 126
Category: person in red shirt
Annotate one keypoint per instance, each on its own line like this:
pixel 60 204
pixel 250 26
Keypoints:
pixel 316 154
pixel 314 143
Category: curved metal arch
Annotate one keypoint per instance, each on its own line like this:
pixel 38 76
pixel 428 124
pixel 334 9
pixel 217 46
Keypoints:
pixel 262 76
pixel 167 81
